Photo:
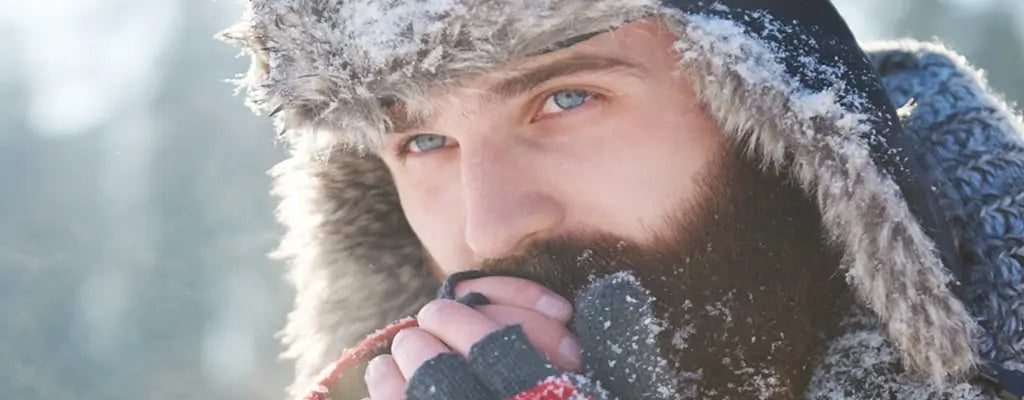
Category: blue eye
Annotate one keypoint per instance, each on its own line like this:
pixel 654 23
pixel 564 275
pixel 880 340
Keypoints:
pixel 565 100
pixel 570 99
pixel 425 142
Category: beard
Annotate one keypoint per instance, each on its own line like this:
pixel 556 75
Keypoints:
pixel 742 278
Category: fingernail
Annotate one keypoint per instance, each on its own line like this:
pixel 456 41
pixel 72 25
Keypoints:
pixel 554 307
pixel 570 349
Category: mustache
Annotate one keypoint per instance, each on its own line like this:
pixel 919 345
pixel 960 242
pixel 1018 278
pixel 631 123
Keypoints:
pixel 567 264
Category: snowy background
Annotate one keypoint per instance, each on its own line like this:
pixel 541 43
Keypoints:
pixel 134 214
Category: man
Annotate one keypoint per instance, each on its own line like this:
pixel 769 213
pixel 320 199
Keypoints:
pixel 646 199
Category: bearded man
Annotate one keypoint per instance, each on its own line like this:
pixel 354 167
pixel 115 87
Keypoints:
pixel 646 199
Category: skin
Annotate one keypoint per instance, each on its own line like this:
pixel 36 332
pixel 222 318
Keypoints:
pixel 515 170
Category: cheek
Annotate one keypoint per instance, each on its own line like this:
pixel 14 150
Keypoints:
pixel 434 212
pixel 634 169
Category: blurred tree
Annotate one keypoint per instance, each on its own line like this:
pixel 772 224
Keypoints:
pixel 989 33
pixel 126 247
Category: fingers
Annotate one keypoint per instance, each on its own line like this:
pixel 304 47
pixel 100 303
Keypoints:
pixel 447 326
pixel 519 292
pixel 547 335
pixel 457 325
pixel 414 346
pixel 384 379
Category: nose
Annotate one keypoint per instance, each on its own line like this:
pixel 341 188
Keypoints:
pixel 506 208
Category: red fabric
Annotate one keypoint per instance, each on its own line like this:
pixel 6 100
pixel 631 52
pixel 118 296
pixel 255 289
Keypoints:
pixel 373 345
pixel 551 389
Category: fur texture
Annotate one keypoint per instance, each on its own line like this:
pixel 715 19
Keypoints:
pixel 321 68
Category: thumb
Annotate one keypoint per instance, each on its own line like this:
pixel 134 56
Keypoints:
pixel 617 330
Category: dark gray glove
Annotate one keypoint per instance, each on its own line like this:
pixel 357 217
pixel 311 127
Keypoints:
pixel 502 365
pixel 614 320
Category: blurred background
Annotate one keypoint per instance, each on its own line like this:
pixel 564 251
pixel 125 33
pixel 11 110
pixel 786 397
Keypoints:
pixel 134 214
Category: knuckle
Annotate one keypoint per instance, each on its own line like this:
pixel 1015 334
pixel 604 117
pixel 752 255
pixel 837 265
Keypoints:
pixel 530 320
pixel 383 379
pixel 377 366
pixel 434 310
pixel 501 314
pixel 409 338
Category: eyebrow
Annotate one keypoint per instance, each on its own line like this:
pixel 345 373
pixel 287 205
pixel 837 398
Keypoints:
pixel 397 115
pixel 533 77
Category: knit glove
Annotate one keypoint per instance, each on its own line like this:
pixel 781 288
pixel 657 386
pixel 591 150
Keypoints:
pixel 502 365
pixel 614 323
pixel 618 333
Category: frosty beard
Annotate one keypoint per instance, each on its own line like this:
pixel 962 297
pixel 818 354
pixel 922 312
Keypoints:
pixel 743 279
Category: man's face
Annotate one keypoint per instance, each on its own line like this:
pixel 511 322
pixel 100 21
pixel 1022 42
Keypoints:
pixel 600 137
pixel 597 158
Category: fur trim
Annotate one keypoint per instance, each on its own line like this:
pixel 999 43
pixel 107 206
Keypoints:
pixel 355 263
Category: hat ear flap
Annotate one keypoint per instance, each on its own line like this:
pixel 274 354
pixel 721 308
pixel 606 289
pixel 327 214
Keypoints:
pixel 355 263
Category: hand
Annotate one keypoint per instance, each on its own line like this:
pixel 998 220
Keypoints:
pixel 450 327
